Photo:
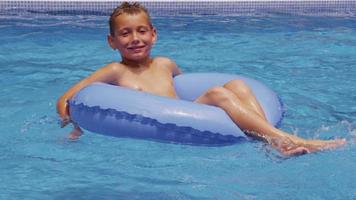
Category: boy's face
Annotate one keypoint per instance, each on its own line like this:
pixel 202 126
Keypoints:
pixel 133 37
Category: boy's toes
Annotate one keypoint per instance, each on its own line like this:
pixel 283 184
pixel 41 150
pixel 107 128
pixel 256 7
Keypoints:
pixel 333 144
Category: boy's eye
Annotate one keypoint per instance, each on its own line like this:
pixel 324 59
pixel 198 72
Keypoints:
pixel 124 34
pixel 142 30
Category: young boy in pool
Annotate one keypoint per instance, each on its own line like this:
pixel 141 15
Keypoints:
pixel 133 35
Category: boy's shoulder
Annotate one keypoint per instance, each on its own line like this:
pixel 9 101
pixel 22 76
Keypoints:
pixel 115 66
pixel 168 64
pixel 163 60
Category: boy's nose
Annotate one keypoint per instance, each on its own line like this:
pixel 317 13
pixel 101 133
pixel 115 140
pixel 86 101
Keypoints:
pixel 135 38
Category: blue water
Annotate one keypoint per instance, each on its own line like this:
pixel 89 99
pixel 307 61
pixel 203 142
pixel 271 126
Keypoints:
pixel 309 61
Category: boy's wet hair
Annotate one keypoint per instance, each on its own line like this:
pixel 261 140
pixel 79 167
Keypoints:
pixel 130 9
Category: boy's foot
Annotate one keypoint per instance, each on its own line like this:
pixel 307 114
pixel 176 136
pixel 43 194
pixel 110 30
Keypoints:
pixel 293 146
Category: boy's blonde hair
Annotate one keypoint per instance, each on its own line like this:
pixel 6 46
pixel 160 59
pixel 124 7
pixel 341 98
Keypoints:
pixel 130 9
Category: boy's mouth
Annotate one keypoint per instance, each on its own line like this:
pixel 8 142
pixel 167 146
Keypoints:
pixel 136 48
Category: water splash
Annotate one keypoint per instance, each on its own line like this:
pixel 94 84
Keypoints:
pixel 37 122
pixel 343 129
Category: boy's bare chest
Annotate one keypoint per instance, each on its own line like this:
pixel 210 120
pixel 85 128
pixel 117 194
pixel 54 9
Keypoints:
pixel 158 82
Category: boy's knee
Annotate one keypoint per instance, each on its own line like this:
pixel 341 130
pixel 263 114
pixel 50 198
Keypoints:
pixel 218 93
pixel 239 86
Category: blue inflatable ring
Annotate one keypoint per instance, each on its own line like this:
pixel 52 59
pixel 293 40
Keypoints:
pixel 122 112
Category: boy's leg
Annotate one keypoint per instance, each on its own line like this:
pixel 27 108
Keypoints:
pixel 256 126
pixel 246 96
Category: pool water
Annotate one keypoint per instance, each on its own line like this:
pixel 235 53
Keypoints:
pixel 309 61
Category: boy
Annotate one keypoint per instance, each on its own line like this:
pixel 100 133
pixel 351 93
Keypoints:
pixel 132 34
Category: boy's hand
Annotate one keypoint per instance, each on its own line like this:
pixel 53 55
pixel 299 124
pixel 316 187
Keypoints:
pixel 65 121
pixel 63 111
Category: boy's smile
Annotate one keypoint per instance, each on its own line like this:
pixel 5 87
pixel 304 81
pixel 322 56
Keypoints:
pixel 137 49
pixel 134 36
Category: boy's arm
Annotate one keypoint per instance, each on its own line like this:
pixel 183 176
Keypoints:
pixel 107 74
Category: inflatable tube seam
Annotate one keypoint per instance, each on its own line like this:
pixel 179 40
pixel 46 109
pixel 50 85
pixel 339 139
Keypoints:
pixel 279 122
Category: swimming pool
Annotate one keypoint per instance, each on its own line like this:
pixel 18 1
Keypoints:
pixel 309 61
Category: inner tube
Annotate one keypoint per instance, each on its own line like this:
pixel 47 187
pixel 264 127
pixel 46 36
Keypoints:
pixel 122 112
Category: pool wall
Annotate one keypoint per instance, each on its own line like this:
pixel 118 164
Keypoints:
pixel 162 8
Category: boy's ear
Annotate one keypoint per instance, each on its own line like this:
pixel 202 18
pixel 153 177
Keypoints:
pixel 154 35
pixel 111 41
